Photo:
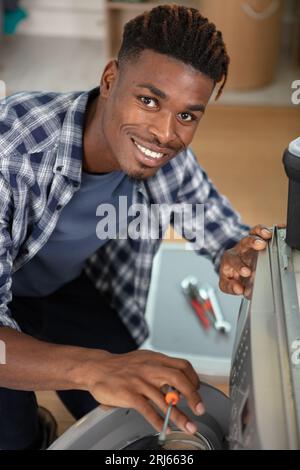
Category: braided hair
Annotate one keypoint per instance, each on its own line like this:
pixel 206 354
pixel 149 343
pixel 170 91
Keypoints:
pixel 179 32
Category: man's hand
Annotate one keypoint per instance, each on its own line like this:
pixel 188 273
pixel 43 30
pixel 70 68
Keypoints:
pixel 132 380
pixel 135 380
pixel 237 264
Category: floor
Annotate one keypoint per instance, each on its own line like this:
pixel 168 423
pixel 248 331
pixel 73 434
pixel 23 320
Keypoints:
pixel 240 142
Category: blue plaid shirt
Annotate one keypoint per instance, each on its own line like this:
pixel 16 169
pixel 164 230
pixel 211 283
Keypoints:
pixel 40 170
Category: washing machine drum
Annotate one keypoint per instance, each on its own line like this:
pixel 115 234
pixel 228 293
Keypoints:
pixel 174 441
pixel 120 428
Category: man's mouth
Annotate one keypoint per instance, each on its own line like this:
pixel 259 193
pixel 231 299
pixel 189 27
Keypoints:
pixel 149 153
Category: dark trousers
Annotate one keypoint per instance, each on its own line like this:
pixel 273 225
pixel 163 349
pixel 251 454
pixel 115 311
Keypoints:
pixel 77 315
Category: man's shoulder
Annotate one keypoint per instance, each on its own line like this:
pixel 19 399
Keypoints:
pixel 25 100
pixel 31 105
pixel 29 120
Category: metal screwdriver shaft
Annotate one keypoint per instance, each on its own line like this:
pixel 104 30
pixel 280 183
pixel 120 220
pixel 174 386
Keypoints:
pixel 162 435
pixel 171 398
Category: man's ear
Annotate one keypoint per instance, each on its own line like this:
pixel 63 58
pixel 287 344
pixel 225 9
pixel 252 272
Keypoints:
pixel 108 78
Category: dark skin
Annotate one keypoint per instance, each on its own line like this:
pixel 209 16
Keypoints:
pixel 238 263
pixel 155 102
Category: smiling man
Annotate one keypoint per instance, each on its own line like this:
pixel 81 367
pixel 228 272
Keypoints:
pixel 150 120
pixel 72 304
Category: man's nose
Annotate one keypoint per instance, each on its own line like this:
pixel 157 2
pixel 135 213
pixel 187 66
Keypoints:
pixel 164 128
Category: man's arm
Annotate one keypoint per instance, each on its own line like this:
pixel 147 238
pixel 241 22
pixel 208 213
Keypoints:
pixel 36 365
pixel 131 380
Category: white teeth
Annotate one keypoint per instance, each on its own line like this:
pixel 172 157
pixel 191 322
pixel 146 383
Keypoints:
pixel 148 152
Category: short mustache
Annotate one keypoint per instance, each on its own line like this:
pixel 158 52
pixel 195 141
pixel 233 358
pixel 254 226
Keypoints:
pixel 157 143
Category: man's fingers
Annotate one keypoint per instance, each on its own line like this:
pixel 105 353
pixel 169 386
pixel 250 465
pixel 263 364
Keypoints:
pixel 189 371
pixel 178 380
pixel 145 408
pixel 182 365
pixel 234 268
pixel 192 396
pixel 262 231
pixel 140 401
pixel 237 264
pixel 178 373
pixel 251 242
pixel 231 286
pixel 182 421
pixel 135 379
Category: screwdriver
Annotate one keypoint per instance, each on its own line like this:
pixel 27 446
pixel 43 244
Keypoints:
pixel 171 398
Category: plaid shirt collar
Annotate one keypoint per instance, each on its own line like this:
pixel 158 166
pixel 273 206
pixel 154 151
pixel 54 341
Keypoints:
pixel 70 147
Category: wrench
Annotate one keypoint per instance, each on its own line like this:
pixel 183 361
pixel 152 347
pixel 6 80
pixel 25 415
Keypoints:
pixel 207 292
pixel 190 288
pixel 187 282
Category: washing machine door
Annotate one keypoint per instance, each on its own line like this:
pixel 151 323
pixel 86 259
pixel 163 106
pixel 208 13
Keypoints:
pixel 124 428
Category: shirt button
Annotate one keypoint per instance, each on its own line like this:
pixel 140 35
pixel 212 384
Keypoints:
pixel 59 168
pixel 58 207
pixel 25 251
pixel 76 184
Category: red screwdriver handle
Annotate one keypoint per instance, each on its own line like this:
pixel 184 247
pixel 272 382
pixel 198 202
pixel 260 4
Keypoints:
pixel 200 313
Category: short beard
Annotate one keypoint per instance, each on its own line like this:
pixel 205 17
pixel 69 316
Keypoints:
pixel 137 177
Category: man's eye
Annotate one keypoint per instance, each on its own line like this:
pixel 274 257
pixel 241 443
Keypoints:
pixel 186 117
pixel 150 102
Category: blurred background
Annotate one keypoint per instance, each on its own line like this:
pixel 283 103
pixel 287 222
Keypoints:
pixel 63 45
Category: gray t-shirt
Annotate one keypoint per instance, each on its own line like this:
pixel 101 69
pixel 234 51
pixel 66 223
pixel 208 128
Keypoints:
pixel 74 238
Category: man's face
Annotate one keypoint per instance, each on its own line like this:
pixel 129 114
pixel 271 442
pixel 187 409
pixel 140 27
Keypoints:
pixel 151 109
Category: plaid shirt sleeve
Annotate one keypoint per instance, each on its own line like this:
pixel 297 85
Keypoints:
pixel 223 227
pixel 6 263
